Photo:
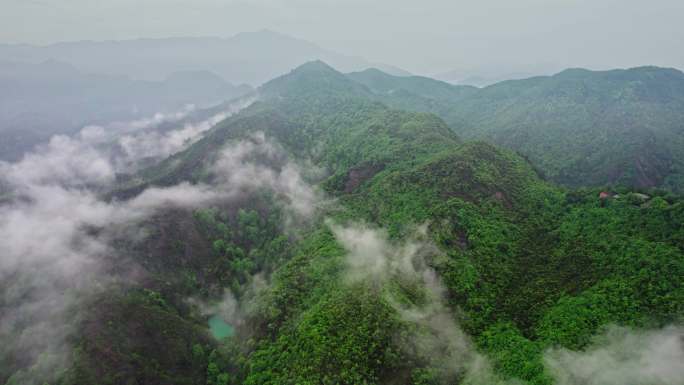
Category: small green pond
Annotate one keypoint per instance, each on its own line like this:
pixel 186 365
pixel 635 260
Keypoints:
pixel 219 328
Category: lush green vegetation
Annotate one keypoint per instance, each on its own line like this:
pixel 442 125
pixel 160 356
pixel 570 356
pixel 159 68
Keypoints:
pixel 580 127
pixel 525 265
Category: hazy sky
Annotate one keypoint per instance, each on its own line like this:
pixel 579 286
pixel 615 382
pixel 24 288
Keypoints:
pixel 423 36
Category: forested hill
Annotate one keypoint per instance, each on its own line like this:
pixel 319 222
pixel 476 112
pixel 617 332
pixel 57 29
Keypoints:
pixel 317 113
pixel 580 127
pixel 336 240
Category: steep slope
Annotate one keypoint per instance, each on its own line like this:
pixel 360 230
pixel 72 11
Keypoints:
pixel 579 127
pixel 316 112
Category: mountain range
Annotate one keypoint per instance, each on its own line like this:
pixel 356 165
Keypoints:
pixel 579 127
pixel 59 88
pixel 249 57
pixel 38 101
pixel 484 78
pixel 353 229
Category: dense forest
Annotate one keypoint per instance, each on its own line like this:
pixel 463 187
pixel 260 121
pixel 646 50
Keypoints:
pixel 579 127
pixel 365 228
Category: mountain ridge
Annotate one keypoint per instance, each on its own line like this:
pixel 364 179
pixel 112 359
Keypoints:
pixel 248 57
pixel 624 110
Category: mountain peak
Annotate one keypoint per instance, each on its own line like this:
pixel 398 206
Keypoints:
pixel 633 72
pixel 372 71
pixel 313 78
pixel 315 66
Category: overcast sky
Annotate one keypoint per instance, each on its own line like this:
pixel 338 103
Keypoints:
pixel 422 36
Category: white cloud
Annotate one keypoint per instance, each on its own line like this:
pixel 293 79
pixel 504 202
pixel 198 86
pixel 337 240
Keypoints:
pixel 372 256
pixel 623 356
pixel 54 226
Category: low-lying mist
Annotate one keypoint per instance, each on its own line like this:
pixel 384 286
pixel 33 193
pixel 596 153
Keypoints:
pixel 57 232
pixel 618 356
pixel 57 228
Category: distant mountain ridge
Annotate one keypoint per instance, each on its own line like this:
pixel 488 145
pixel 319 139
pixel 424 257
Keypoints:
pixel 485 78
pixel 249 57
pixel 53 97
pixel 56 89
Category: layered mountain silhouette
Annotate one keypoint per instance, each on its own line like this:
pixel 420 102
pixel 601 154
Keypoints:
pixel 249 57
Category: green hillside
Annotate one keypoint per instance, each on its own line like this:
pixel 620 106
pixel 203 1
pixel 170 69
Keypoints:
pixel 580 127
pixel 481 259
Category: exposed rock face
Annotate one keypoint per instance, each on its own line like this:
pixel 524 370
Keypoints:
pixel 358 175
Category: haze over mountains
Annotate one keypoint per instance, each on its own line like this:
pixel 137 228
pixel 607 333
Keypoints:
pixel 41 100
pixel 578 127
pixel 250 57
pixel 260 210
pixel 57 89
pixel 483 78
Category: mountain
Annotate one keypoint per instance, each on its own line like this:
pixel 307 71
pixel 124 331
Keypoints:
pixel 484 78
pixel 320 236
pixel 289 110
pixel 52 97
pixel 579 127
pixel 412 92
pixel 250 57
